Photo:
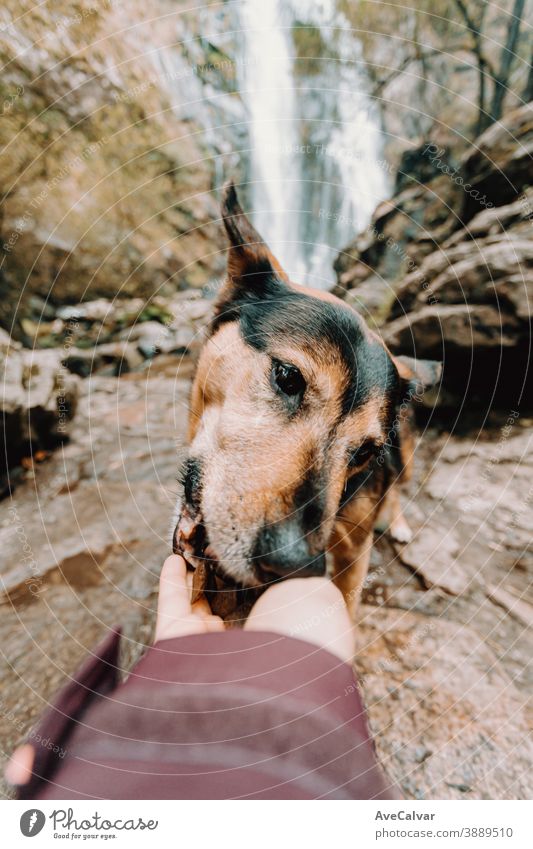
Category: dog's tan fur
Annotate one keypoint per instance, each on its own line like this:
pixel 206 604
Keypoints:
pixel 253 459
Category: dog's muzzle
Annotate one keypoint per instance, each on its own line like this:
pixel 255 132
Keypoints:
pixel 283 550
pixel 189 538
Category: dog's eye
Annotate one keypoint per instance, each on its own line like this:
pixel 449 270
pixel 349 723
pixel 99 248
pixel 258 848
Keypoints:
pixel 287 379
pixel 361 455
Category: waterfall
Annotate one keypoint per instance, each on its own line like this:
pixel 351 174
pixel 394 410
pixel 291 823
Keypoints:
pixel 315 172
pixel 267 88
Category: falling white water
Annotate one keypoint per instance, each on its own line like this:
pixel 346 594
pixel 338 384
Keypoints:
pixel 268 91
pixel 315 169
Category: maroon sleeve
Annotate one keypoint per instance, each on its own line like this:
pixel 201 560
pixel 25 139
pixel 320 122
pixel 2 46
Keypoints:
pixel 239 714
pixel 97 676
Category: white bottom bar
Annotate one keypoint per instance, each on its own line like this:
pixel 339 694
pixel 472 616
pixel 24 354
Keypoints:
pixel 269 825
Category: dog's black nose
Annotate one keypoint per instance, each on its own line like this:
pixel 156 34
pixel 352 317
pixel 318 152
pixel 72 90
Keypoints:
pixel 282 551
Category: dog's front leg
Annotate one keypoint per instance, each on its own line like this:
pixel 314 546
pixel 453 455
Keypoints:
pixel 351 546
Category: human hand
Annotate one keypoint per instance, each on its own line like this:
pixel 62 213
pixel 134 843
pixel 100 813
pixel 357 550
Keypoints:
pixel 311 609
pixel 176 617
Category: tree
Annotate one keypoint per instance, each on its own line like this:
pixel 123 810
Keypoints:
pixel 443 31
pixel 528 89
pixel 474 24
pixel 500 77
pixel 501 80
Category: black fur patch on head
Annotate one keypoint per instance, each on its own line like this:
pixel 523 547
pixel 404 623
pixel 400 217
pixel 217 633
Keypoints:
pixel 309 501
pixel 375 375
pixel 360 481
pixel 258 286
pixel 191 480
pixel 280 312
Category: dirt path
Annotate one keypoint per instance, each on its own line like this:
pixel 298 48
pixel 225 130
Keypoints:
pixel 444 634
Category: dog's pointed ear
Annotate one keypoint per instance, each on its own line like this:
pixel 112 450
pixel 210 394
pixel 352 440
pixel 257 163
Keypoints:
pixel 419 374
pixel 250 260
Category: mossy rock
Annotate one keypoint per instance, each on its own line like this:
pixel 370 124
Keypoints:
pixel 112 187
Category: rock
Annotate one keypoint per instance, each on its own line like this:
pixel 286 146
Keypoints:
pixel 488 262
pixel 7 344
pixel 495 221
pixel 517 607
pixel 189 325
pixel 109 188
pixel 433 555
pixel 468 251
pixel 476 478
pixel 183 331
pixel 416 167
pixel 498 166
pixel 427 690
pixel 38 400
pixel 102 310
pixel 83 541
pixel 150 338
pixel 488 273
pixel 372 298
pixel 395 224
pixel 60 549
pixel 429 330
pixel 113 358
pixel 116 337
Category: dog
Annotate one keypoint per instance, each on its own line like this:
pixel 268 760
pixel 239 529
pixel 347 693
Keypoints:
pixel 300 428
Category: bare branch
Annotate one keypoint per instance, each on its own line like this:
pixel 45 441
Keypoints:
pixel 419 56
pixel 528 90
pixel 508 54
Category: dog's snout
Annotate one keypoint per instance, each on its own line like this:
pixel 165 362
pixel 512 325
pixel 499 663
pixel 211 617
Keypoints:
pixel 191 477
pixel 282 551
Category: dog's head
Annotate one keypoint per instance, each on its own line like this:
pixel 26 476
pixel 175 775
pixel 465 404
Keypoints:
pixel 293 396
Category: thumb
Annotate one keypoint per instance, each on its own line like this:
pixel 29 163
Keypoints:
pixel 174 594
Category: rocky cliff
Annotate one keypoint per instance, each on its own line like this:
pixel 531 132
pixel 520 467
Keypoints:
pixel 108 157
pixel 446 267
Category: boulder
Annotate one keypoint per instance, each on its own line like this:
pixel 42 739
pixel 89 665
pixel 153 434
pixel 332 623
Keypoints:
pixel 498 165
pixel 489 261
pixel 107 160
pixel 430 330
pixel 416 167
pixel 113 337
pixel 414 214
pixel 113 358
pixel 38 400
pixel 449 266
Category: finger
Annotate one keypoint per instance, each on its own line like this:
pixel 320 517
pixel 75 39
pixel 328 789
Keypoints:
pixel 18 770
pixel 174 599
pixel 202 612
pixel 202 607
